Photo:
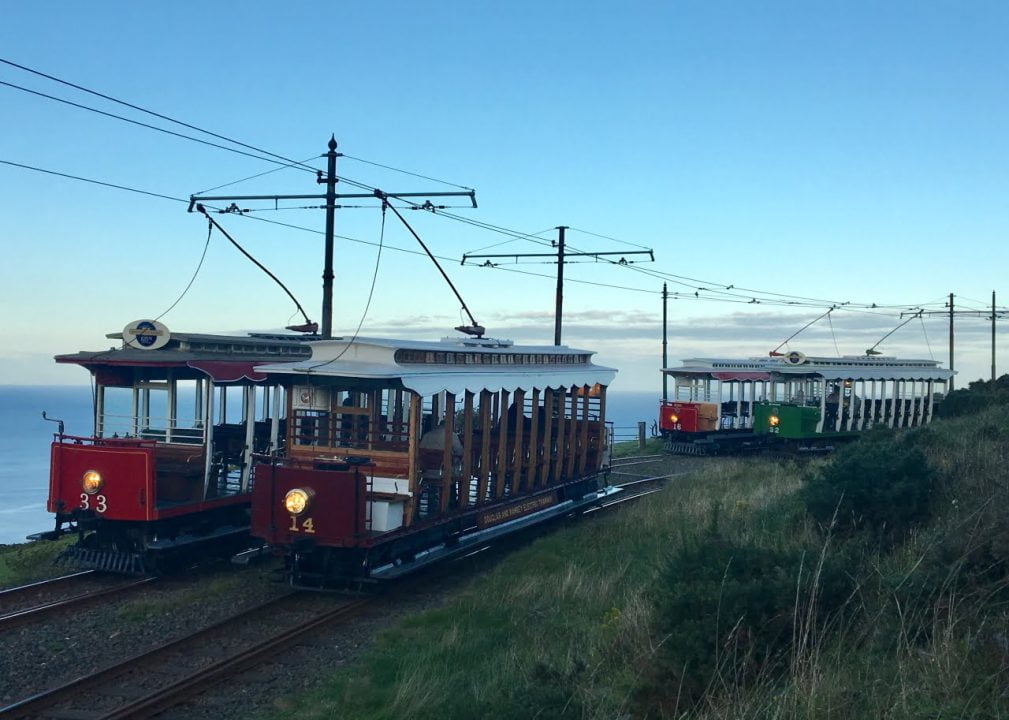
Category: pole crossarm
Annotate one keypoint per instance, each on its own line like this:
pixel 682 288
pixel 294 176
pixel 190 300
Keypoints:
pixel 999 314
pixel 567 255
pixel 194 199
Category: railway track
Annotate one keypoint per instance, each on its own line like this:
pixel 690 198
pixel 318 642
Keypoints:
pixel 39 600
pixel 153 681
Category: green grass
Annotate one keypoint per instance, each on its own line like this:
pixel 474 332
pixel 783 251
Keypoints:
pixel 27 562
pixel 572 626
pixel 562 628
pixel 631 447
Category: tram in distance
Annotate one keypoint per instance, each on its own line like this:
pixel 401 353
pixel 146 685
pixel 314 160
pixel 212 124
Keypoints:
pixel 794 401
pixel 166 471
pixel 399 454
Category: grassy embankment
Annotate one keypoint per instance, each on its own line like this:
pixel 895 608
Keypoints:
pixel 871 584
pixel 26 562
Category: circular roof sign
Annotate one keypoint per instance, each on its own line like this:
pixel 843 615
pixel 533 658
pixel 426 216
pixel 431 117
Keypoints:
pixel 795 358
pixel 146 335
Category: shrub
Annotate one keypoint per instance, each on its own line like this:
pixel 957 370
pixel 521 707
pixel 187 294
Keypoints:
pixel 880 483
pixel 979 395
pixel 728 610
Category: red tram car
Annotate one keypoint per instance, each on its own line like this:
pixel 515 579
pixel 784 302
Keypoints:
pixel 167 467
pixel 402 453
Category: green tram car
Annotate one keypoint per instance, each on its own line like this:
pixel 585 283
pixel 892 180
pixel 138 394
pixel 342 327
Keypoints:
pixel 795 401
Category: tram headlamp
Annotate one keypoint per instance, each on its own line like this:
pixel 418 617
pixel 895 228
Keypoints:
pixel 773 421
pixel 91 482
pixel 298 500
pixel 674 418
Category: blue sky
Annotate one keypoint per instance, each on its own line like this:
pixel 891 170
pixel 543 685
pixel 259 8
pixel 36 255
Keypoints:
pixel 849 151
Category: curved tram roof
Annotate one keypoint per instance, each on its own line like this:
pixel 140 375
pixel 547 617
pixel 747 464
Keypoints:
pixel 796 365
pixel 452 364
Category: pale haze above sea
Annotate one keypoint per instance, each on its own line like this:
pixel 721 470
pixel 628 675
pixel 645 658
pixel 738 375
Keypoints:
pixel 25 439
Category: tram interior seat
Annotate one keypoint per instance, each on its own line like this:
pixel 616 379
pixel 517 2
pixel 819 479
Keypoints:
pixel 178 476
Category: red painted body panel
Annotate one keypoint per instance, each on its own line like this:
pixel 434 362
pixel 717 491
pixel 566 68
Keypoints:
pixel 685 415
pixel 129 491
pixel 335 517
pixel 127 470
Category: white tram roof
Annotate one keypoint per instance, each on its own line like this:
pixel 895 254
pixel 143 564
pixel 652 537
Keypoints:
pixel 847 367
pixel 452 364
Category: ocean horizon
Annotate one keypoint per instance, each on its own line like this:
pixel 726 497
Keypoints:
pixel 25 439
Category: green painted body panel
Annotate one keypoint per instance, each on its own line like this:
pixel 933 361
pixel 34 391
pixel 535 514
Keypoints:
pixel 795 421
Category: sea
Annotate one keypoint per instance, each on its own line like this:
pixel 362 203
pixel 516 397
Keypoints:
pixel 25 438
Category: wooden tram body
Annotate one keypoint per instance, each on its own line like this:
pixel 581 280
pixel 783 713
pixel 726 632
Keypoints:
pixel 403 453
pixel 804 402
pixel 168 464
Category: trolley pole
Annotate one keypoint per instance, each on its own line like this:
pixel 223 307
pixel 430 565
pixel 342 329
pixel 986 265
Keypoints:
pixel 559 306
pixel 665 344
pixel 327 272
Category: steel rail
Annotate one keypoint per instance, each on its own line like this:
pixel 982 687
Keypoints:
pixel 619 500
pixel 634 460
pixel 197 682
pixel 654 478
pixel 13 592
pixel 39 701
pixel 20 617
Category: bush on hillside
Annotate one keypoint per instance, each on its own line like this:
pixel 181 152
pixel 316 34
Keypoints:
pixel 880 483
pixel 978 395
pixel 728 610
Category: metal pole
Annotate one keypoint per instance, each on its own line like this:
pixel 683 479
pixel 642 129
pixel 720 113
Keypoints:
pixel 665 344
pixel 993 337
pixel 327 273
pixel 558 310
pixel 951 340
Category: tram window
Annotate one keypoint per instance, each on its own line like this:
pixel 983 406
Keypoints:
pixel 153 412
pixel 230 408
pixel 117 418
pixel 187 420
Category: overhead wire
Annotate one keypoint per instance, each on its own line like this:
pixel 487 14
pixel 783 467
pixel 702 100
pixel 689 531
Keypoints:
pixel 607 237
pixel 141 124
pixel 148 112
pixel 675 295
pixel 94 182
pixel 287 162
pixel 199 265
pixel 405 172
pixel 257 175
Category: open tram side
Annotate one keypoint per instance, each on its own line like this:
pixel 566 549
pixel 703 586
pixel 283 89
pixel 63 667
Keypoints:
pixel 794 401
pixel 403 453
